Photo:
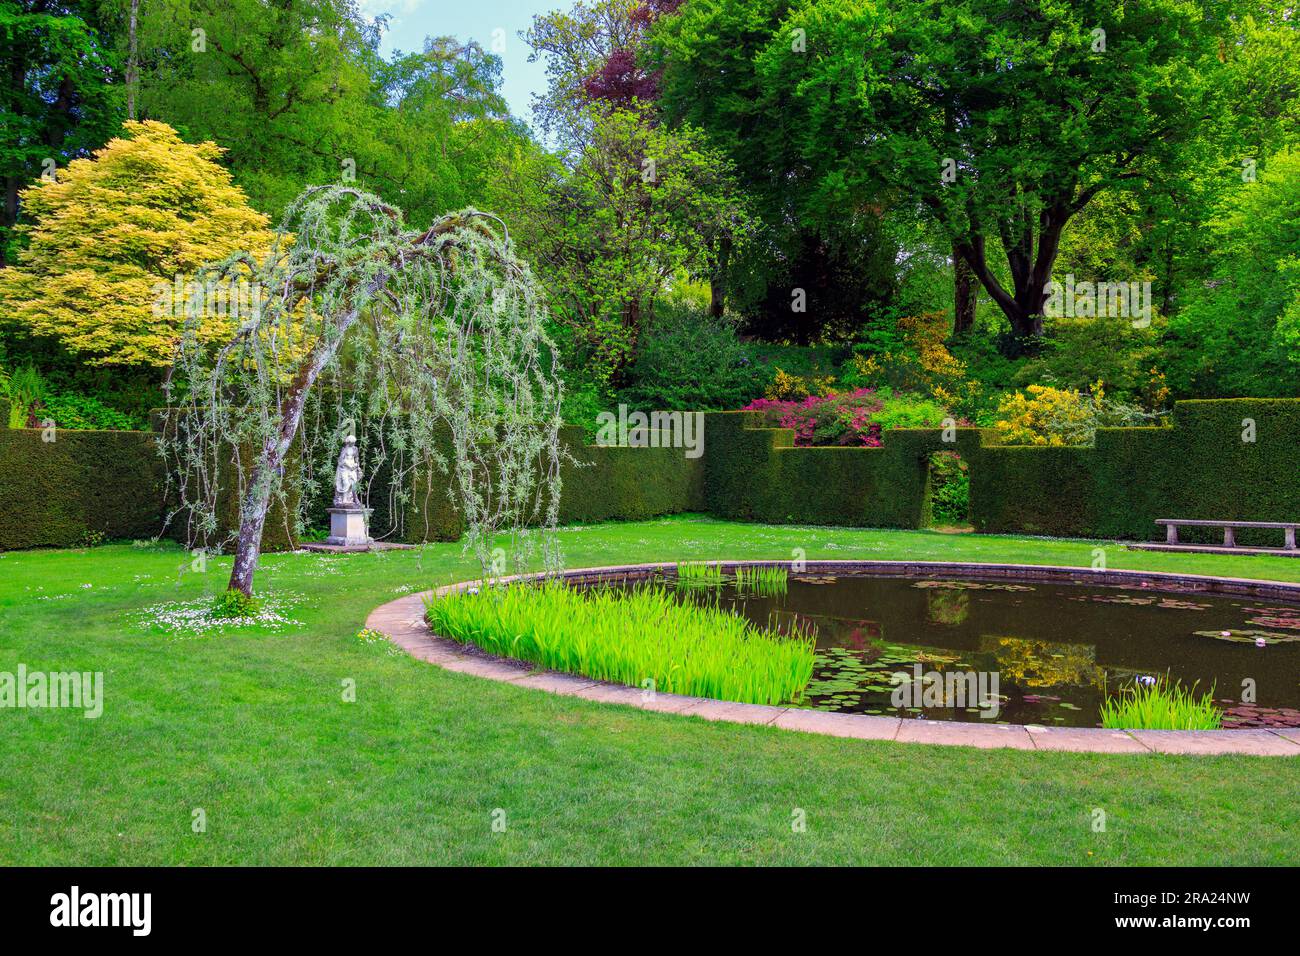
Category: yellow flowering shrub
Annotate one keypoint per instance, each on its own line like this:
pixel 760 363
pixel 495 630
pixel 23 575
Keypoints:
pixel 923 364
pixel 1063 416
pixel 1157 392
pixel 111 238
pixel 1036 418
pixel 867 370
pixel 785 387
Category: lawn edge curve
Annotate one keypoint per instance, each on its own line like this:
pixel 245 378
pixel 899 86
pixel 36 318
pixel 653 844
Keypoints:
pixel 402 622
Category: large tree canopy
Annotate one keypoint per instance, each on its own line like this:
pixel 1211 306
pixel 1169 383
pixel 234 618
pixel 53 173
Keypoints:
pixel 834 254
pixel 306 97
pixel 575 45
pixel 638 206
pixel 1249 305
pixel 1001 120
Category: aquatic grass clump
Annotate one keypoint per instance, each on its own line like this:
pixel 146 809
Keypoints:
pixel 1160 704
pixel 630 637
pixel 699 574
pixel 762 580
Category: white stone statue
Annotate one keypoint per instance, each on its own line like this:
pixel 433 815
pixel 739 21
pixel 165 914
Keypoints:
pixel 347 476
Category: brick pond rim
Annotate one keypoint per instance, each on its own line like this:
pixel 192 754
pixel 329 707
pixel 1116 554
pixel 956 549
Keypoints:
pixel 402 621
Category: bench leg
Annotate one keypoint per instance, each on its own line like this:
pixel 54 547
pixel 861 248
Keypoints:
pixel 1229 538
pixel 1171 534
pixel 1289 544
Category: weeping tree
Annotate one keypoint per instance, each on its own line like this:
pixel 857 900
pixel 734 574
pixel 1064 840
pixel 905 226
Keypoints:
pixel 432 338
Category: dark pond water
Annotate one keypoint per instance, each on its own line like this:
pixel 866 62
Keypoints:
pixel 1057 649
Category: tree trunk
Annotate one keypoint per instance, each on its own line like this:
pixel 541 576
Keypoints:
pixel 964 294
pixel 257 501
pixel 718 280
pixel 269 467
pixel 1027 324
pixel 10 215
pixel 1030 273
pixel 133 62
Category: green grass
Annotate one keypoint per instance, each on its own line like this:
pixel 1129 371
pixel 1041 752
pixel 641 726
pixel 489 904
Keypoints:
pixel 252 727
pixel 1160 705
pixel 630 637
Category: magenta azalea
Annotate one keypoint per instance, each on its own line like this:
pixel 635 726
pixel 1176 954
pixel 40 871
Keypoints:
pixel 844 419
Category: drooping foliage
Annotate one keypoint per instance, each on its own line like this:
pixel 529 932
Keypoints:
pixel 392 334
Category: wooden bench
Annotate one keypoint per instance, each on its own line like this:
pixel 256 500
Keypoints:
pixel 1171 526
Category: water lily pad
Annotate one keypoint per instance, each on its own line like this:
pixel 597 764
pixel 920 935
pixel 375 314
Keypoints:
pixel 1177 604
pixel 971 586
pixel 1249 637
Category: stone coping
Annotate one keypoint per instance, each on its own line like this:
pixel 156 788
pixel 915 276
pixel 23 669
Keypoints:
pixel 402 622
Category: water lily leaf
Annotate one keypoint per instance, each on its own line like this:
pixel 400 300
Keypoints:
pixel 1249 637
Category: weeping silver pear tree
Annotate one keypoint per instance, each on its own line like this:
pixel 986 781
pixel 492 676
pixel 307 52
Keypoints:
pixel 432 338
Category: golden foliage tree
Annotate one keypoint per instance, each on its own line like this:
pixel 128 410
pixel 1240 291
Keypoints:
pixel 114 241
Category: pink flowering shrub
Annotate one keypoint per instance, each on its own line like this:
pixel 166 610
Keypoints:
pixel 845 419
pixel 855 418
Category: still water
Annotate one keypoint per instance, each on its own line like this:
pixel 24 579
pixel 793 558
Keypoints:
pixel 1058 649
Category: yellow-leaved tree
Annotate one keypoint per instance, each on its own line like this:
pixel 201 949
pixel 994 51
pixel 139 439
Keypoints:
pixel 113 243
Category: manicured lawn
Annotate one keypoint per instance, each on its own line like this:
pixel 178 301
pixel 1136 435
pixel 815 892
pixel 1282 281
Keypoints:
pixel 252 728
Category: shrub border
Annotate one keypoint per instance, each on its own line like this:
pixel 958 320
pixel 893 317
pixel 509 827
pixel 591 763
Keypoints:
pixel 402 622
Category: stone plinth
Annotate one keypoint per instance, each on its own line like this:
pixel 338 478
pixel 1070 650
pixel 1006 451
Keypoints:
pixel 349 526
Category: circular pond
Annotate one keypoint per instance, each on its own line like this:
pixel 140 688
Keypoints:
pixel 1046 648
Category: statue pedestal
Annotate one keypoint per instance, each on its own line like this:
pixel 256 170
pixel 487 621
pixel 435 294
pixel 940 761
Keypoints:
pixel 349 526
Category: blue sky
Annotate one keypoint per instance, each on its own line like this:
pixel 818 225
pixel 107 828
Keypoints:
pixel 412 20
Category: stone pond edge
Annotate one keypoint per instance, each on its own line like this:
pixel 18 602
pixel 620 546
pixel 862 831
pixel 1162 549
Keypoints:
pixel 402 622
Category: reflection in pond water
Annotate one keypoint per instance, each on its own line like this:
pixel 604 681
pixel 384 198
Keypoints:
pixel 1057 649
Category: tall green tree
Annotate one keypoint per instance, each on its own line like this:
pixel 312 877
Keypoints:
pixel 306 97
pixel 58 100
pixel 575 44
pixel 823 263
pixel 1239 333
pixel 1001 119
pixel 636 206
pixel 278 84
pixel 436 130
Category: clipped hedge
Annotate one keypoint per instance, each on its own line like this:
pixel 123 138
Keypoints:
pixel 1199 468
pixel 756 474
pixel 1223 459
pixel 54 493
pixel 277 533
pixel 627 484
pixel 598 484
pixel 1036 490
pixel 1213 472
